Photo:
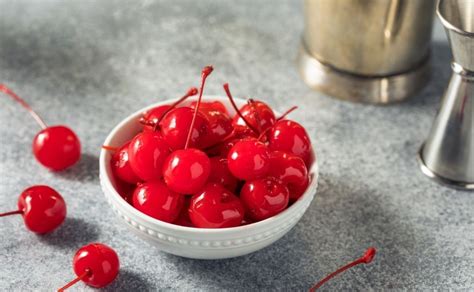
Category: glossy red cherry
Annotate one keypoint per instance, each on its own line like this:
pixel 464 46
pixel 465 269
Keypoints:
pixel 264 198
pixel 216 207
pixel 186 171
pixel 157 201
pixel 220 174
pixel 248 159
pixel 258 114
pixel 289 136
pixel 152 117
pixel 220 126
pixel 183 218
pixel 175 128
pixel 43 209
pixel 211 106
pixel 291 170
pixel 125 190
pixel 96 264
pixel 147 152
pixel 121 165
pixel 223 148
pixel 246 124
pixel 55 147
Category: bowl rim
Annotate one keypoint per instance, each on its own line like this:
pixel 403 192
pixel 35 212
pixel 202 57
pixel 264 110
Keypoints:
pixel 105 178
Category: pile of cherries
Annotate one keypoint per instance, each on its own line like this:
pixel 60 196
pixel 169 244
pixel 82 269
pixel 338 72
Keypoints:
pixel 191 165
pixel 197 166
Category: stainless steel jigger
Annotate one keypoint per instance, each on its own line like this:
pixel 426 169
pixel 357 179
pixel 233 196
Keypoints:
pixel 448 154
pixel 372 51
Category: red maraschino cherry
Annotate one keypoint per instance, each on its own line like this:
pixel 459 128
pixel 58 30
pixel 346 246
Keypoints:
pixel 215 207
pixel 121 164
pixel 186 171
pixel 365 259
pixel 291 170
pixel 220 124
pixel 95 264
pixel 245 122
pixel 289 136
pixel 264 198
pixel 211 106
pixel 156 200
pixel 183 218
pixel 257 113
pixel 147 152
pixel 175 128
pixel 43 209
pixel 248 159
pixel 152 118
pixel 220 174
pixel 55 147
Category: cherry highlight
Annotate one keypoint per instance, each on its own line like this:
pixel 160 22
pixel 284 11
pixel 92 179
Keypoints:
pixel 12 94
pixel 365 259
pixel 205 73
pixel 232 102
pixel 79 278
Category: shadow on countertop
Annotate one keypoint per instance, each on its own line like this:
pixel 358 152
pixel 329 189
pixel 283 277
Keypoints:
pixel 86 170
pixel 339 226
pixel 73 233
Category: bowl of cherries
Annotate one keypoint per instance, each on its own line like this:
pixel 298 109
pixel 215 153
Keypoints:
pixel 209 177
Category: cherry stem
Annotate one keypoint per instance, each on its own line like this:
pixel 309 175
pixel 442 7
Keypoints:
pixel 206 71
pixel 287 113
pixel 38 119
pixel 263 134
pixel 191 92
pixel 110 148
pixel 232 102
pixel 251 102
pixel 365 259
pixel 11 213
pixel 86 273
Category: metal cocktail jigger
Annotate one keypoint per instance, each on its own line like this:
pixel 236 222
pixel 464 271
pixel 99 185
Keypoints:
pixel 373 51
pixel 448 154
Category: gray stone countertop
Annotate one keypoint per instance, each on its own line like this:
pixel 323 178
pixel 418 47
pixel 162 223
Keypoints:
pixel 88 64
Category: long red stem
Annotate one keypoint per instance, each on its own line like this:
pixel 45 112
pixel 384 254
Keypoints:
pixel 8 91
pixel 232 102
pixel 86 273
pixel 205 72
pixel 365 259
pixel 11 213
pixel 287 113
pixel 110 148
pixel 191 92
pixel 251 102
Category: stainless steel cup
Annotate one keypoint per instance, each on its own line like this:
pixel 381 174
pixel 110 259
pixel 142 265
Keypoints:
pixel 448 153
pixel 367 50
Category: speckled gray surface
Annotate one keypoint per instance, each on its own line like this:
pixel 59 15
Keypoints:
pixel 89 65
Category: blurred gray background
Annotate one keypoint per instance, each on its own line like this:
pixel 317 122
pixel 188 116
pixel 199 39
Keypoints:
pixel 88 64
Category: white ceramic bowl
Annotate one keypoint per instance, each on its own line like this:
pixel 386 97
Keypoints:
pixel 199 243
